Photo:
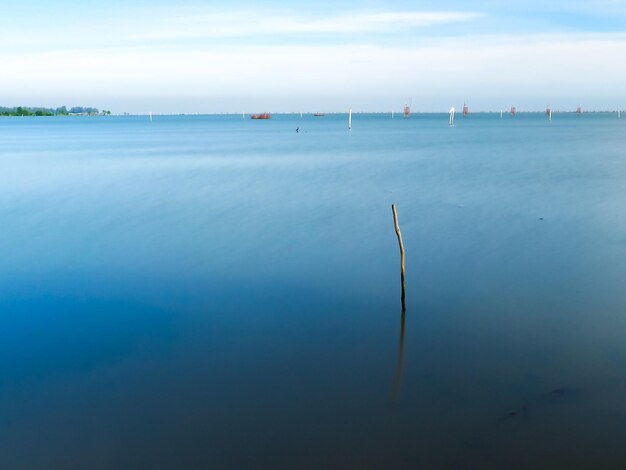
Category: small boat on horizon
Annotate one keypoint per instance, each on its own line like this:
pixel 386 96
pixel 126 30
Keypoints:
pixel 579 110
pixel 513 110
pixel 261 116
pixel 319 114
pixel 407 111
pixel 465 110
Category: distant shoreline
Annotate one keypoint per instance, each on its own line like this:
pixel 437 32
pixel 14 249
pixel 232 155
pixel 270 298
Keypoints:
pixel 20 111
pixel 48 112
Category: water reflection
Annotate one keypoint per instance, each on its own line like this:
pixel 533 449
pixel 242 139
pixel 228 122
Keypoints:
pixel 397 383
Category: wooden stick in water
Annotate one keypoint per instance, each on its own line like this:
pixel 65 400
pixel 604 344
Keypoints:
pixel 401 244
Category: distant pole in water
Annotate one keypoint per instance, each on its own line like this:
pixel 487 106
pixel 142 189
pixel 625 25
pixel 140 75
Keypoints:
pixel 452 111
pixel 300 114
pixel 391 114
pixel 350 119
pixel 401 244
pixel 619 115
pixel 243 115
pixel 150 116
pixel 501 114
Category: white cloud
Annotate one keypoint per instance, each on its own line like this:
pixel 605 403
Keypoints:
pixel 490 71
pixel 233 24
pixel 142 29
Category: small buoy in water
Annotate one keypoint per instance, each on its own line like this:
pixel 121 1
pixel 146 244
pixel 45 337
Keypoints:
pixel 297 129
pixel 540 218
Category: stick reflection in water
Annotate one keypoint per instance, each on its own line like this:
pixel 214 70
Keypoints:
pixel 397 383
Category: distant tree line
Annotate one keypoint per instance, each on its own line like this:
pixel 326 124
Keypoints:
pixel 61 111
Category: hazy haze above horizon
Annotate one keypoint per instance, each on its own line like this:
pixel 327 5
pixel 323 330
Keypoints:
pixel 193 56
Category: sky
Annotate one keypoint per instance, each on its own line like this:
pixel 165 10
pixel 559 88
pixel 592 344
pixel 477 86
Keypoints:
pixel 181 56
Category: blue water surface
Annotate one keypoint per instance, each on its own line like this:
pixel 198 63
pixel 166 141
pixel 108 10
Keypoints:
pixel 219 292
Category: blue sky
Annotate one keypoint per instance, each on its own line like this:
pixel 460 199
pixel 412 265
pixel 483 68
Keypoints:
pixel 206 56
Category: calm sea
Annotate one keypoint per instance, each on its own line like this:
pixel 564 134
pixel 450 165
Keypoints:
pixel 213 292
